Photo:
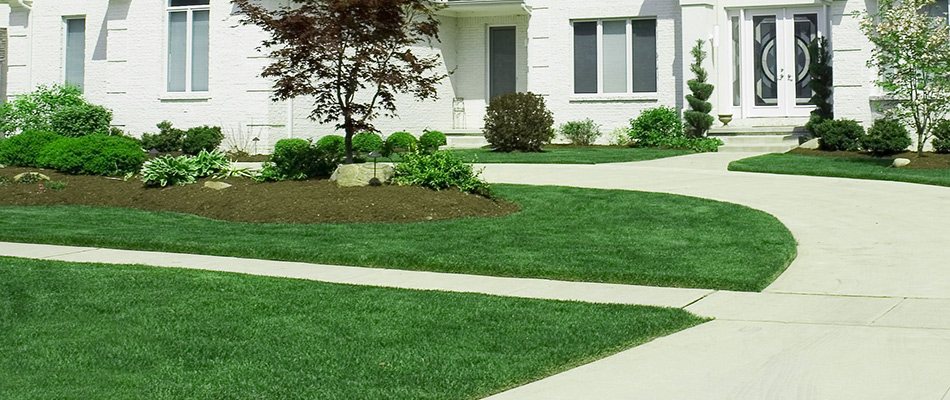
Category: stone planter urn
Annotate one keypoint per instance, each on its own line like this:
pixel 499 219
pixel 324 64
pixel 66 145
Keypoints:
pixel 725 119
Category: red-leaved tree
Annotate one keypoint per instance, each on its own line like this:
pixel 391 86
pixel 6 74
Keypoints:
pixel 352 57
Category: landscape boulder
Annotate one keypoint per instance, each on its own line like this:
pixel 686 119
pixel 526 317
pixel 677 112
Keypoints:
pixel 810 145
pixel 351 175
pixel 30 177
pixel 900 162
pixel 216 185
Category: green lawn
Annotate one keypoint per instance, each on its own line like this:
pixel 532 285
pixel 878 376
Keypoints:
pixel 89 331
pixel 562 233
pixel 857 168
pixel 564 154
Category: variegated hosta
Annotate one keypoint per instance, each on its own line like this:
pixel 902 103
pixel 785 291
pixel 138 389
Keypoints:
pixel 183 170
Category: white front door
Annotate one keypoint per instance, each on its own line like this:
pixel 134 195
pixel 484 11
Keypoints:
pixel 775 62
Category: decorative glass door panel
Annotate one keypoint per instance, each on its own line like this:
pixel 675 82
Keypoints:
pixel 766 60
pixel 806 31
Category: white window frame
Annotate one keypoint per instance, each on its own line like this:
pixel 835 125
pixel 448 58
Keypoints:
pixel 188 46
pixel 630 58
pixel 65 41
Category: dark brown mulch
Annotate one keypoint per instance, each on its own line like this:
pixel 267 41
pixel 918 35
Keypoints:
pixel 302 202
pixel 927 161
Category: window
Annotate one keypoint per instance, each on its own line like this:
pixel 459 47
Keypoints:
pixel 615 56
pixel 188 30
pixel 75 55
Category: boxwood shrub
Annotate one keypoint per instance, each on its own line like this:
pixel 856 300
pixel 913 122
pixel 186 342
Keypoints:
pixel 839 135
pixel 331 144
pixel 81 120
pixel 167 139
pixel 24 150
pixel 432 140
pixel 94 155
pixel 367 142
pixel 201 138
pixel 298 159
pixel 941 140
pixel 399 142
pixel 886 137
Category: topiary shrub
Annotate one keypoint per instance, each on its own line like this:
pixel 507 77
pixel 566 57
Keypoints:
pixel 839 135
pixel 697 118
pixel 168 138
pixel 333 144
pixel 581 133
pixel 399 142
pixel 34 110
pixel 298 159
pixel 432 140
pixel 367 142
pixel 886 137
pixel 81 120
pixel 822 83
pixel 24 150
pixel 94 155
pixel 656 127
pixel 206 138
pixel 439 170
pixel 941 140
pixel 518 122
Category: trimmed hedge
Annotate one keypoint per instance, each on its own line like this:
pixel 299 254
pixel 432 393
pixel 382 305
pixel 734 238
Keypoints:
pixel 24 150
pixel 886 137
pixel 94 155
pixel 839 135
pixel 367 142
pixel 399 142
pixel 432 140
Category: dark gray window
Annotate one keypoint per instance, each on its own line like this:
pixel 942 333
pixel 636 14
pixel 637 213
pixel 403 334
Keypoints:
pixel 502 60
pixel 75 63
pixel 186 3
pixel 644 55
pixel 585 57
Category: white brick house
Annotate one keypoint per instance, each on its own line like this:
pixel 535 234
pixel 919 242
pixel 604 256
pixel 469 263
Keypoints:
pixel 193 63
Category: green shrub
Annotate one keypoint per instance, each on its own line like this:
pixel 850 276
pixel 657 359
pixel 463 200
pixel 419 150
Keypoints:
pixel 367 142
pixel 439 170
pixel 94 155
pixel 886 137
pixel 201 138
pixel 34 110
pixel 209 163
pixel 582 133
pixel 332 144
pixel 941 140
pixel 169 170
pixel 697 144
pixel 24 150
pixel 81 120
pixel 399 142
pixel 298 159
pixel 56 185
pixel 656 127
pixel 432 140
pixel 168 138
pixel 518 122
pixel 839 135
pixel 697 117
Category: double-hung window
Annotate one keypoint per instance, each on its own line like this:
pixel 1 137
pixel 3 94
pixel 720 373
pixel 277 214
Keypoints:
pixel 74 62
pixel 616 56
pixel 188 45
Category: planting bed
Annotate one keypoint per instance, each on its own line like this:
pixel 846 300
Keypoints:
pixel 927 161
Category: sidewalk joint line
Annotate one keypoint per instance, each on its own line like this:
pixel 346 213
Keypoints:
pixel 888 311
pixel 700 299
pixel 70 253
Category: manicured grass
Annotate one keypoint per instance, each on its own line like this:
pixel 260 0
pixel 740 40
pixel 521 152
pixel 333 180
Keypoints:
pixel 570 155
pixel 89 331
pixel 562 233
pixel 856 168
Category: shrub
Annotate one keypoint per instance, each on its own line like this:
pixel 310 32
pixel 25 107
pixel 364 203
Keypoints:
pixel 332 144
pixel 25 149
pixel 166 140
pixel 439 170
pixel 399 142
pixel 201 138
pixel 697 117
pixel 94 155
pixel 886 137
pixel 33 111
pixel 432 140
pixel 582 133
pixel 81 120
pixel 699 145
pixel 367 142
pixel 298 159
pixel 941 140
pixel 839 135
pixel 56 185
pixel 656 127
pixel 619 137
pixel 518 122
pixel 169 170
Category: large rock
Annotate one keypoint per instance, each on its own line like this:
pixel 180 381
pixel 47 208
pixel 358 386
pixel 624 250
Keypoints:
pixel 30 177
pixel 810 145
pixel 216 185
pixel 900 163
pixel 350 175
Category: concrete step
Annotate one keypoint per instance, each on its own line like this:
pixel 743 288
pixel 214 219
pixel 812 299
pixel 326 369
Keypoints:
pixel 759 139
pixel 465 142
pixel 757 130
pixel 755 149
pixel 463 132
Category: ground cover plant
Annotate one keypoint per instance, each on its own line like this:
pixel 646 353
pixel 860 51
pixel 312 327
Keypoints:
pixel 569 154
pixel 560 233
pixel 930 169
pixel 70 330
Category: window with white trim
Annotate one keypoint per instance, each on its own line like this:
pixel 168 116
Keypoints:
pixel 74 60
pixel 616 56
pixel 188 31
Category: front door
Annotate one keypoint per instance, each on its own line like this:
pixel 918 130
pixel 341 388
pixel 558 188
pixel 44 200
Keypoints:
pixel 777 62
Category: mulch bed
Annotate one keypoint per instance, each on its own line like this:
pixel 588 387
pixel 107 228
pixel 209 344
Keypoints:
pixel 927 161
pixel 301 202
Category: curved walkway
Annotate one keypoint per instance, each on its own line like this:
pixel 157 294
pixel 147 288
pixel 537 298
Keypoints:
pixel 863 312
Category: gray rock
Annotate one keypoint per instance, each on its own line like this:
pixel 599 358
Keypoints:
pixel 216 185
pixel 810 145
pixel 351 175
pixel 30 177
pixel 900 162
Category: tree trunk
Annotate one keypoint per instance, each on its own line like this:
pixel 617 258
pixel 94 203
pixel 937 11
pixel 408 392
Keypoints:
pixel 920 144
pixel 348 139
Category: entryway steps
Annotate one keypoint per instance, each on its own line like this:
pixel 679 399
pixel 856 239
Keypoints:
pixel 758 139
pixel 464 139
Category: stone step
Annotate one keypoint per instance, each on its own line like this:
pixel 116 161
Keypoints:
pixel 759 139
pixel 757 130
pixel 463 132
pixel 465 142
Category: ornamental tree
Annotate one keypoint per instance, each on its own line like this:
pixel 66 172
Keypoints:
pixel 697 118
pixel 912 55
pixel 352 57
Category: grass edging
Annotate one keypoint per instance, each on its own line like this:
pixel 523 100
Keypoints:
pixel 567 154
pixel 840 167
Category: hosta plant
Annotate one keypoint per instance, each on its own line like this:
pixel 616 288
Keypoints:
pixel 168 170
